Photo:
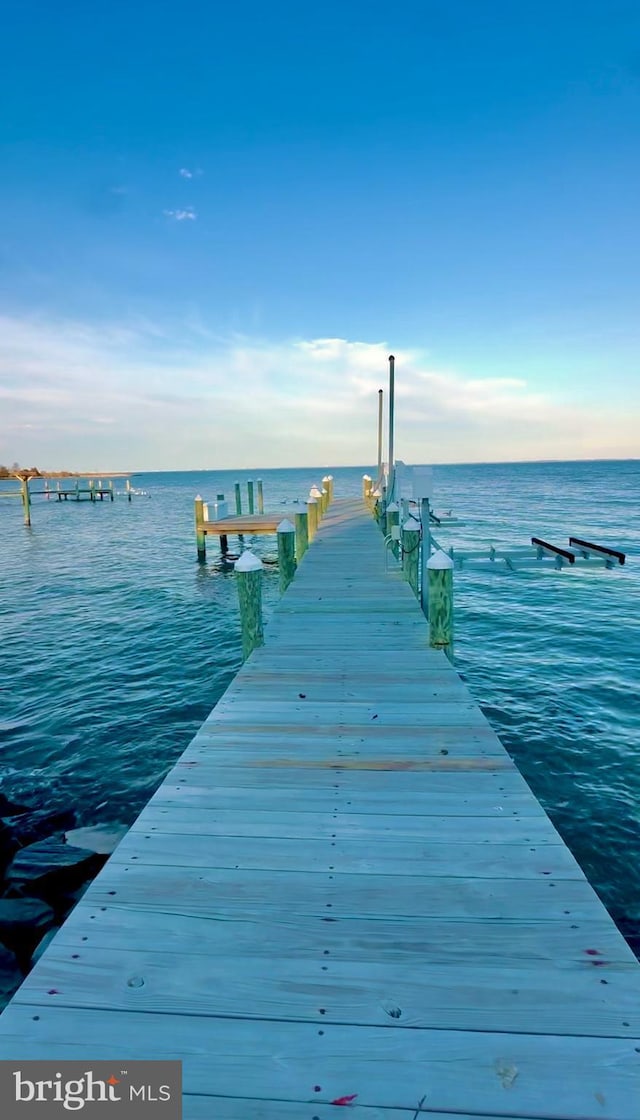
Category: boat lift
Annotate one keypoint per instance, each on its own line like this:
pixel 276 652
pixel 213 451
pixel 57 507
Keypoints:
pixel 538 555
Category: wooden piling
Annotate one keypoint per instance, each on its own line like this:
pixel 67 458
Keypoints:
pixel 26 500
pixel 393 521
pixel 286 533
pixel 260 497
pixel 411 552
pixel 440 593
pixel 250 495
pixel 128 489
pixel 375 496
pixel 201 538
pixel 425 553
pixel 111 493
pixel 302 535
pixel 238 499
pixel 92 492
pixel 326 485
pixel 312 515
pixel 249 579
pixel 316 494
pixel 382 514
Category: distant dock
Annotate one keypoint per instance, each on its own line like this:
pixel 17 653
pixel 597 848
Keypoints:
pixel 344 894
pixel 76 488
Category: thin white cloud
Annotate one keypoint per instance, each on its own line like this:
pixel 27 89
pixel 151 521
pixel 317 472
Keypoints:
pixel 288 403
pixel 186 215
pixel 186 174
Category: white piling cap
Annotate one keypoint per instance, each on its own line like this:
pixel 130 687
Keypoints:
pixel 376 493
pixel 248 562
pixel 285 526
pixel 440 561
pixel 411 525
pixel 315 492
pixel 312 501
pixel 393 507
pixel 198 497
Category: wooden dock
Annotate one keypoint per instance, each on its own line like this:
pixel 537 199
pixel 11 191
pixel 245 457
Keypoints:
pixel 345 892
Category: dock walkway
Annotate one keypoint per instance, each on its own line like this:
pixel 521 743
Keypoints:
pixel 345 891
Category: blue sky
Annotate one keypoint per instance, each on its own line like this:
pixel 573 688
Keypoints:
pixel 217 220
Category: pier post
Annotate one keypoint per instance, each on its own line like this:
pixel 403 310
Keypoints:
pixel 330 481
pixel 302 535
pixel 221 511
pixel 26 500
pixel 425 553
pixel 249 571
pixel 312 514
pixel 111 494
pixel 315 493
pixel 238 499
pixel 326 485
pixel 201 538
pixel 100 490
pixel 128 489
pixel 393 519
pixel 411 552
pixel 260 497
pixel 58 490
pixel 382 514
pixel 286 553
pixel 440 594
pixel 92 493
pixel 46 488
pixel 375 496
pixel 250 494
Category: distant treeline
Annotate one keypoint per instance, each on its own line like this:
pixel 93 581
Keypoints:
pixel 9 472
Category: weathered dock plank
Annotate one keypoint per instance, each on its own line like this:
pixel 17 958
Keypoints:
pixel 345 888
pixel 532 1075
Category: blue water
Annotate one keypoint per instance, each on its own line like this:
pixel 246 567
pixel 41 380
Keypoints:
pixel 116 644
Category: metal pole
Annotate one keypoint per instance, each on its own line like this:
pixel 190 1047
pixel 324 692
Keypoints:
pixel 390 470
pixel 380 406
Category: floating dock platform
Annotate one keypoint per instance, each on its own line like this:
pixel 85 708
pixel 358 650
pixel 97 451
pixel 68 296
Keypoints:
pixel 344 894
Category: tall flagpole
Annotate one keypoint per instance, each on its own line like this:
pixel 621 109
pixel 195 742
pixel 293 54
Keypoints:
pixel 380 398
pixel 391 470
